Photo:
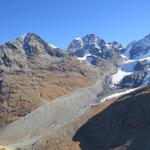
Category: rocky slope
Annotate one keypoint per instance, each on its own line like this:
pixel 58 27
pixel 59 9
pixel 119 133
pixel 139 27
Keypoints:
pixel 65 135
pixel 84 131
pixel 48 118
pixel 32 72
pixel 122 125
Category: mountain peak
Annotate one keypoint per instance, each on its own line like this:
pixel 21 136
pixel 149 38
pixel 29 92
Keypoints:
pixel 91 48
pixel 139 49
pixel 28 34
pixel 91 35
pixel 87 36
pixel 147 36
pixel 27 37
pixel 17 54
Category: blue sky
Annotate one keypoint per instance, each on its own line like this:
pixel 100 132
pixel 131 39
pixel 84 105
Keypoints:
pixel 59 21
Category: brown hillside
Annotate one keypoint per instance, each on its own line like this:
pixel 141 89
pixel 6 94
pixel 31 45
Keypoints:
pixel 22 92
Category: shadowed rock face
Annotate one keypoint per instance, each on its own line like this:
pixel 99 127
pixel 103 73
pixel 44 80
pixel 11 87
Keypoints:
pixel 134 80
pixel 123 125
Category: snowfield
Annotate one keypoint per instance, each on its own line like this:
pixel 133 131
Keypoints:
pixel 116 78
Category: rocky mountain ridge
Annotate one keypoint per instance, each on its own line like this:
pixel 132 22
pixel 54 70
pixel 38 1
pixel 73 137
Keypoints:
pixel 27 49
pixel 92 48
pixel 32 72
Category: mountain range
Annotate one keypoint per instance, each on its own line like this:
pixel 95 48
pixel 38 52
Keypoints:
pixel 33 72
pixel 132 61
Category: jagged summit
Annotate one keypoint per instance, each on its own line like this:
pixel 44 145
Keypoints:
pixel 27 37
pixel 28 34
pixel 115 45
pixel 25 49
pixel 87 41
pixel 92 48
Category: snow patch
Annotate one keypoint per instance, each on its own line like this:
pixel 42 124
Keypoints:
pixel 116 78
pixel 118 95
pixel 23 36
pixel 108 46
pixel 123 56
pixel 127 68
pixel 84 57
pixel 147 59
pixel 52 46
pixel 78 38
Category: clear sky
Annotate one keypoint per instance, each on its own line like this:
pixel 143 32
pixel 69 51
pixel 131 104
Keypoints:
pixel 59 21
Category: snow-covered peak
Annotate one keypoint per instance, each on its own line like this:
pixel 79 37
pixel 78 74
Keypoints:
pixel 92 48
pixel 89 47
pixel 23 36
pixel 86 42
pixel 138 49
pixel 78 39
pixel 28 34
pixel 93 40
